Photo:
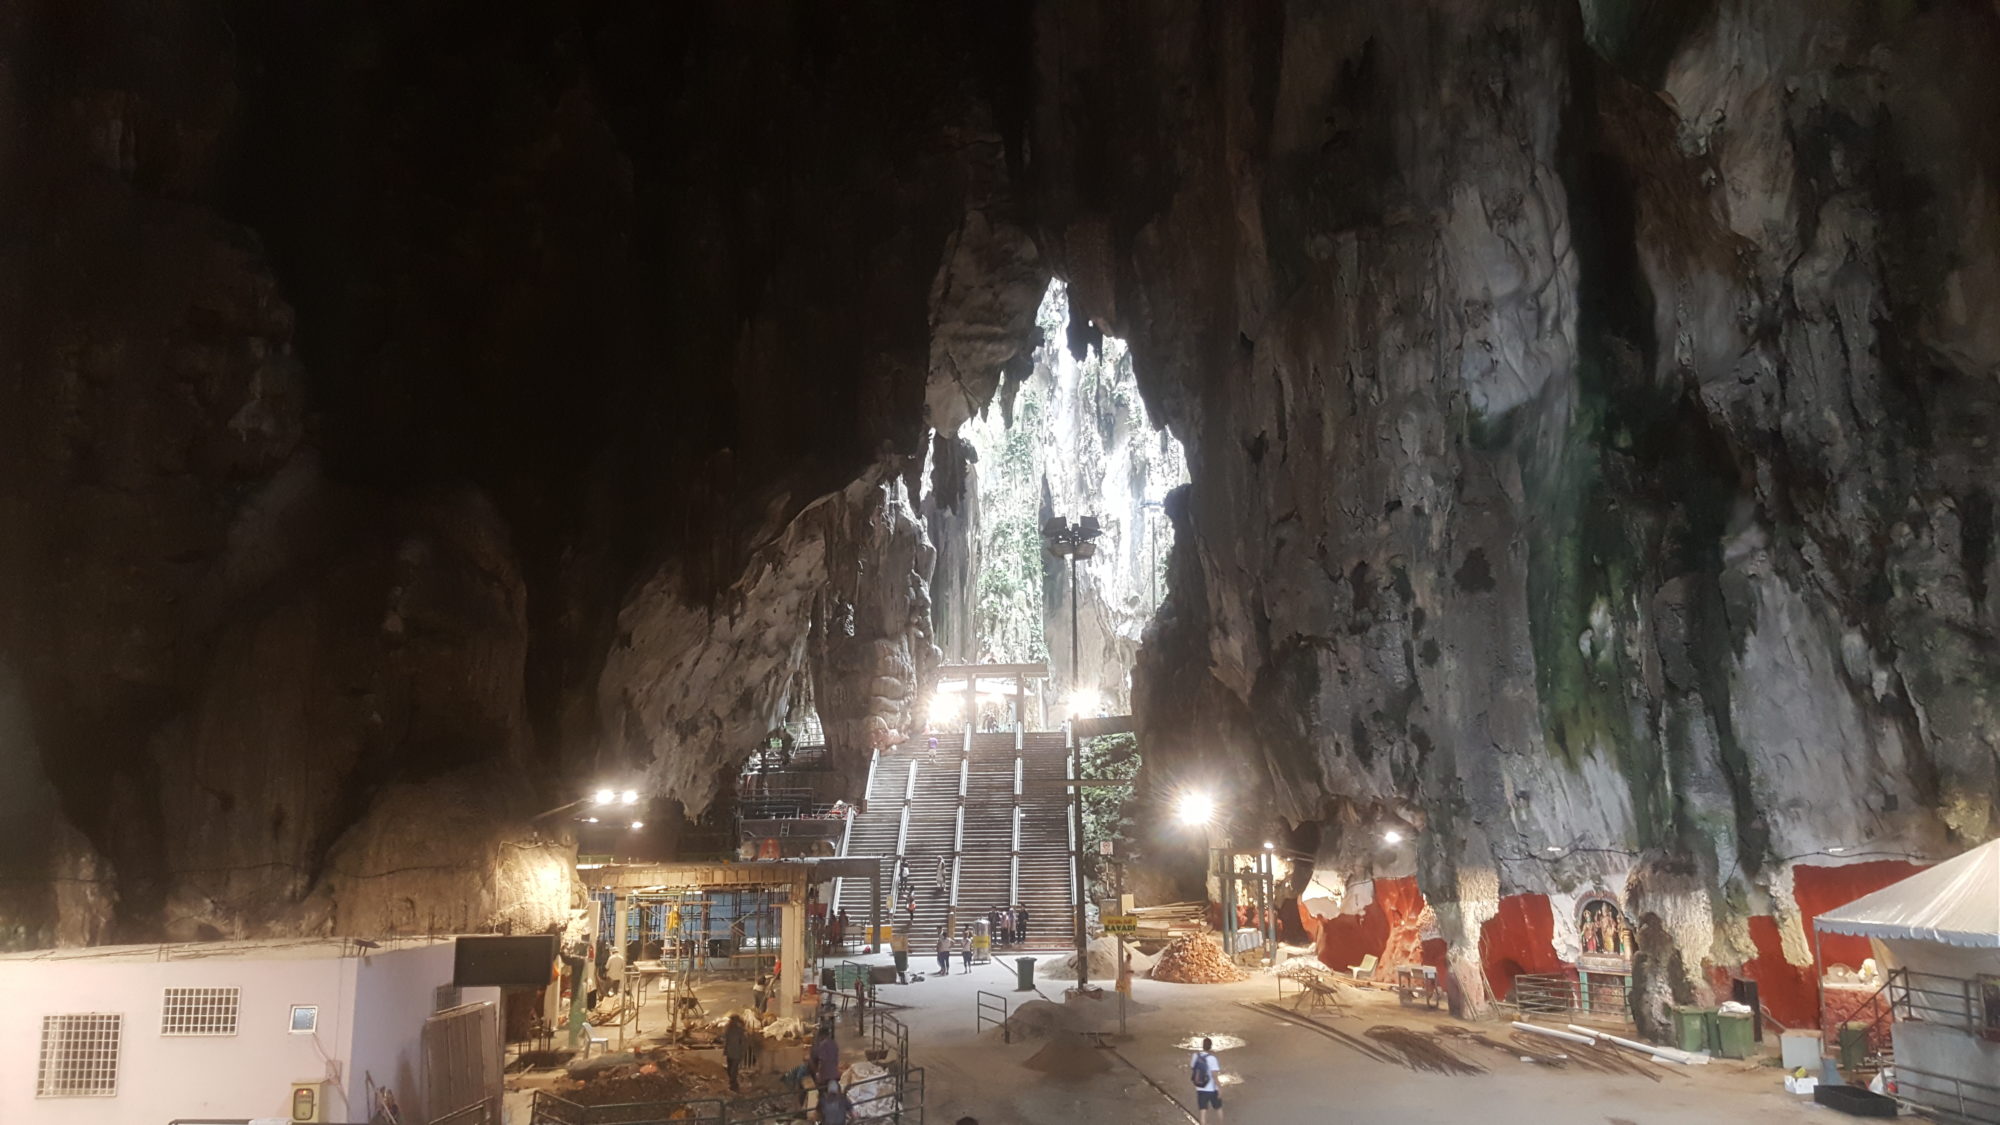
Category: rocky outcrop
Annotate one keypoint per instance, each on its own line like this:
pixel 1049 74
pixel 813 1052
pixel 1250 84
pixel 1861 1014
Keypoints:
pixel 375 379
pixel 1586 410
pixel 1588 406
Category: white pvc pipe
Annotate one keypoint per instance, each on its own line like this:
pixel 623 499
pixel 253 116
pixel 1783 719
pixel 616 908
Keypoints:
pixel 1674 1053
pixel 1553 1033
pixel 1590 1031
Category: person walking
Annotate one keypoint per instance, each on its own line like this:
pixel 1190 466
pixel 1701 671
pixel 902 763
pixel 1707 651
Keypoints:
pixel 1021 925
pixel 993 929
pixel 937 886
pixel 1205 1071
pixel 825 1058
pixel 899 947
pixel 735 1049
pixel 944 951
pixel 965 946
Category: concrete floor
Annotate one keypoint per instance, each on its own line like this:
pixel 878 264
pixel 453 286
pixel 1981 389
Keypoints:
pixel 1280 1075
pixel 1287 1075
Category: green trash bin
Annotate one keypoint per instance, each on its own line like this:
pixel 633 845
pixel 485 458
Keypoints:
pixel 1733 1035
pixel 1024 974
pixel 1694 1029
pixel 1853 1045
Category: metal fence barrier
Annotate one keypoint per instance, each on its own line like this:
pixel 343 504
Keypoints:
pixel 896 1097
pixel 991 1007
pixel 1553 994
pixel 1971 1101
pixel 550 1109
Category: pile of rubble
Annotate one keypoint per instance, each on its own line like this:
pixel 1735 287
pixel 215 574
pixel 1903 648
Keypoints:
pixel 1103 962
pixel 1195 959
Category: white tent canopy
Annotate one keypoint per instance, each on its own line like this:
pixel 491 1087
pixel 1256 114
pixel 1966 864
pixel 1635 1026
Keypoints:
pixel 1955 903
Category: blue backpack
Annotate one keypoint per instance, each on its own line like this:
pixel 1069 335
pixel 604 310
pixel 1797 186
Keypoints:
pixel 834 1107
pixel 1198 1071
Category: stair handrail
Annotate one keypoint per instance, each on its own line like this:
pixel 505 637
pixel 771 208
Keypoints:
pixel 1885 1014
pixel 868 789
pixel 910 783
pixel 964 773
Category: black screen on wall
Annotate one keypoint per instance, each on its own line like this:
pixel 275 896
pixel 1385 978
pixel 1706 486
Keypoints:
pixel 504 962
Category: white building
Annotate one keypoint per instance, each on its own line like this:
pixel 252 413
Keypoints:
pixel 1938 935
pixel 141 1035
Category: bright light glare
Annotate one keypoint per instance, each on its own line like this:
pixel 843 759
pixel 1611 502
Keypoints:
pixel 945 708
pixel 638 824
pixel 1196 808
pixel 629 797
pixel 590 820
pixel 1269 846
pixel 1392 837
pixel 1084 701
pixel 604 796
pixel 1835 851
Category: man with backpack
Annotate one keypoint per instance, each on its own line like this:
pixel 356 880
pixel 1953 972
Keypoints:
pixel 1205 1071
pixel 834 1106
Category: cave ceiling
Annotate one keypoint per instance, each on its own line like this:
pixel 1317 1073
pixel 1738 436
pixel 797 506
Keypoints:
pixel 1589 412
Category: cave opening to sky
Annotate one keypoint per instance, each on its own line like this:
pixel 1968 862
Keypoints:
pixel 1076 439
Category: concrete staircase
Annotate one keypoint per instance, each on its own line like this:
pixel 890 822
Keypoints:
pixel 994 808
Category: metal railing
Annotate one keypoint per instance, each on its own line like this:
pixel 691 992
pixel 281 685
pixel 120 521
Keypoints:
pixel 1605 998
pixel 1939 1000
pixel 551 1109
pixel 896 1096
pixel 799 758
pixel 991 1007
pixel 1942 1093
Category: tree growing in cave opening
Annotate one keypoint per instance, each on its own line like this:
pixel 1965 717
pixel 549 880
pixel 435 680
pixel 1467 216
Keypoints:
pixel 1080 443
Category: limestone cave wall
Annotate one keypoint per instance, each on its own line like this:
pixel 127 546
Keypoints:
pixel 412 414
pixel 1590 414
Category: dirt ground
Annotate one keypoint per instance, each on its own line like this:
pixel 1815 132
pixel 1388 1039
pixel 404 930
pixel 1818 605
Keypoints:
pixel 1275 1072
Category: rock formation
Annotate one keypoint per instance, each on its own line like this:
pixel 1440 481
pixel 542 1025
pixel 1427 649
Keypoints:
pixel 403 410
pixel 1587 411
pixel 1588 405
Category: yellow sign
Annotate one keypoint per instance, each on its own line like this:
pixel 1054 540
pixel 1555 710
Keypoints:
pixel 1121 923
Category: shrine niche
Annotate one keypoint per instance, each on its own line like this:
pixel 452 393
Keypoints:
pixel 1604 933
pixel 1604 967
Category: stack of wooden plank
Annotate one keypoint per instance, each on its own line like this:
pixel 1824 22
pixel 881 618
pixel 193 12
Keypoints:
pixel 1164 923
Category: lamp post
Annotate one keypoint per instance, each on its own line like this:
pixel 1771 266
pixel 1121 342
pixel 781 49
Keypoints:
pixel 1075 542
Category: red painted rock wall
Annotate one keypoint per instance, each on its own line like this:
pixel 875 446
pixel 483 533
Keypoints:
pixel 1820 889
pixel 1520 938
pixel 1389 927
pixel 1789 991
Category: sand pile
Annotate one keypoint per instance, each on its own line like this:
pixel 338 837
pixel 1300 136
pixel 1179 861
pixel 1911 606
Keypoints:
pixel 1069 1055
pixel 1103 963
pixel 1195 959
pixel 1042 1018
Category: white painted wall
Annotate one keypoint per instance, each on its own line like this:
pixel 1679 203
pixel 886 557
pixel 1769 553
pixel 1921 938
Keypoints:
pixel 1946 1051
pixel 393 996
pixel 371 1017
pixel 248 1074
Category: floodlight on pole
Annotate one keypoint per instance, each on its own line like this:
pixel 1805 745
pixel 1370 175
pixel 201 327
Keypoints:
pixel 638 824
pixel 1195 809
pixel 1085 702
pixel 629 797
